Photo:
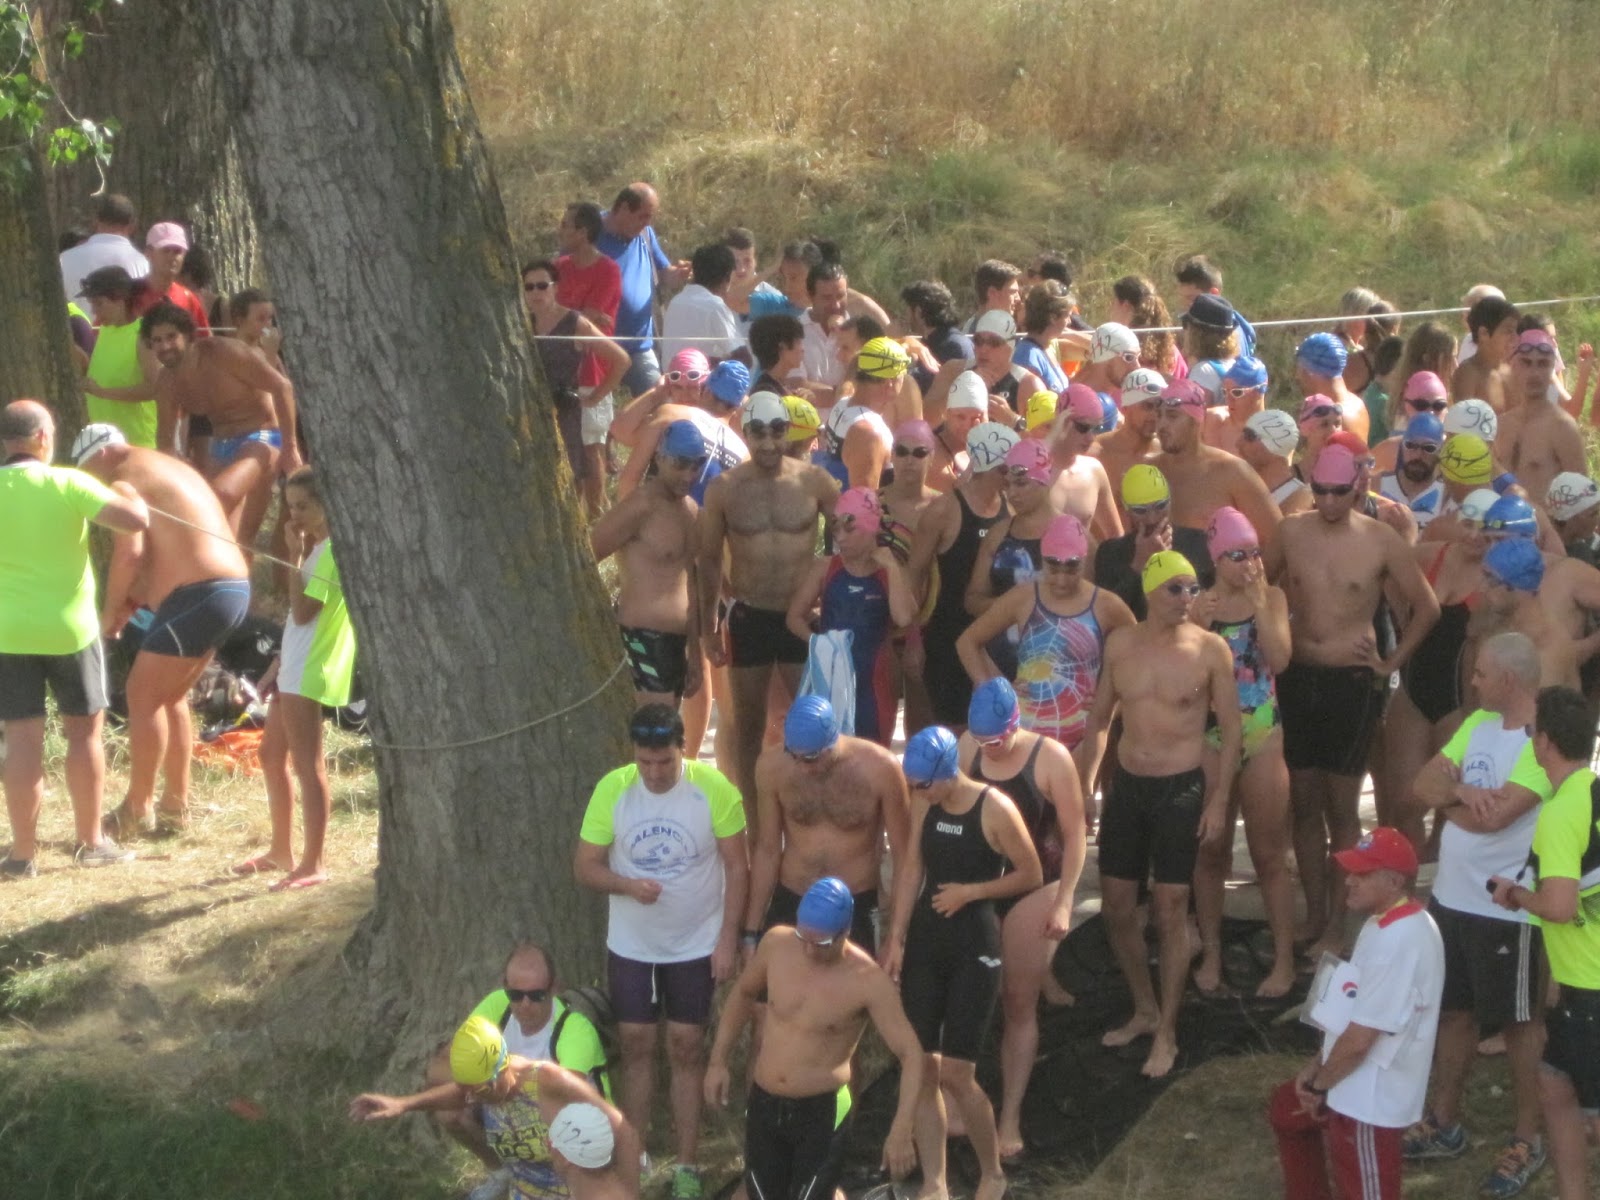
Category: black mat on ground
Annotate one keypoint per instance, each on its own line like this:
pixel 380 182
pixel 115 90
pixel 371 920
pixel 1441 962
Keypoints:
pixel 1084 1097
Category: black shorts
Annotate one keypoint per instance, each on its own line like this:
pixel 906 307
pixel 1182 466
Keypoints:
pixel 950 978
pixel 642 993
pixel 1493 969
pixel 785 908
pixel 1329 716
pixel 1150 825
pixel 759 637
pixel 77 681
pixel 197 618
pixel 659 661
pixel 794 1148
pixel 1572 1043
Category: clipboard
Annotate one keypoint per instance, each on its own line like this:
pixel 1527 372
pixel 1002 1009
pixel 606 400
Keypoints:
pixel 1331 1001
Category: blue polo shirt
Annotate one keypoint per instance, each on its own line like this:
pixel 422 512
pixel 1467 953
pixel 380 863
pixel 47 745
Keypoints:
pixel 638 260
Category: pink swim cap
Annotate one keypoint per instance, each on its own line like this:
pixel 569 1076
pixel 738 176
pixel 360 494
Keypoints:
pixel 690 360
pixel 1425 385
pixel 1187 396
pixel 1335 467
pixel 914 433
pixel 862 504
pixel 1064 537
pixel 1033 456
pixel 1315 403
pixel 1081 403
pixel 1230 529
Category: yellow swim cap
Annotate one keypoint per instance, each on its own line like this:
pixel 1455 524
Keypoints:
pixel 1144 484
pixel 804 420
pixel 883 358
pixel 1466 459
pixel 477 1052
pixel 1163 566
pixel 1041 409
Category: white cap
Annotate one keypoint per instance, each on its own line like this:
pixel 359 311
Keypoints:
pixel 1142 386
pixel 764 406
pixel 1276 430
pixel 1476 505
pixel 92 439
pixel 1472 416
pixel 968 391
pixel 583 1134
pixel 997 322
pixel 989 443
pixel 1570 494
pixel 1111 340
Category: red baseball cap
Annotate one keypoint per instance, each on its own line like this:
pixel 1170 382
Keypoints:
pixel 1384 849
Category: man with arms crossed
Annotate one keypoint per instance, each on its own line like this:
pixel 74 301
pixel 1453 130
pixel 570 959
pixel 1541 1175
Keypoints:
pixel 1169 675
pixel 820 988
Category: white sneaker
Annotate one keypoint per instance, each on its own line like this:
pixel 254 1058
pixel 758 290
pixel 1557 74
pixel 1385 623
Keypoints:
pixel 495 1187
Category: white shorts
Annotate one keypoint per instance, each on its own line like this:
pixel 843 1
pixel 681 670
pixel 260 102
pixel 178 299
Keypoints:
pixel 597 421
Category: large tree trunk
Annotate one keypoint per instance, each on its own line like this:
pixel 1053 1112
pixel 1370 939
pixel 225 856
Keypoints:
pixel 476 602
pixel 149 65
pixel 37 360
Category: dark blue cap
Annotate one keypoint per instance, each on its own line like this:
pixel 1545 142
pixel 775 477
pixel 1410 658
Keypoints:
pixel 729 382
pixel 684 439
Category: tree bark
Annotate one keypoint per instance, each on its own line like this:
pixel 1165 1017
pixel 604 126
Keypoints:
pixel 476 602
pixel 37 360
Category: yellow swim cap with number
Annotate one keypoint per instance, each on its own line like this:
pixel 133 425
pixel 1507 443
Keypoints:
pixel 1144 484
pixel 1041 409
pixel 1165 565
pixel 1466 459
pixel 883 358
pixel 804 420
pixel 477 1052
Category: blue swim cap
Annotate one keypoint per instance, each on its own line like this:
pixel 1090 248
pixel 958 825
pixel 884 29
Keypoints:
pixel 1108 413
pixel 1424 427
pixel 993 712
pixel 1513 515
pixel 684 439
pixel 1323 353
pixel 729 382
pixel 827 907
pixel 810 726
pixel 1247 372
pixel 1517 563
pixel 930 756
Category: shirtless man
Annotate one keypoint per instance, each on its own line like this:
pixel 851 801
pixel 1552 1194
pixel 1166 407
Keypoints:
pixel 763 514
pixel 1550 602
pixel 1134 440
pixel 1169 675
pixel 1266 445
pixel 1203 478
pixel 196 581
pixel 820 987
pixel 1319 363
pixel 1492 322
pixel 1081 487
pixel 825 803
pixel 1537 438
pixel 250 406
pixel 595 1151
pixel 1334 565
pixel 1113 356
pixel 1244 392
pixel 652 531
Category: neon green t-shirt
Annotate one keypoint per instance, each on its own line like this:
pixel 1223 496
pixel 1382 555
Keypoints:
pixel 115 363
pixel 47 603
pixel 1566 845
pixel 331 661
pixel 579 1047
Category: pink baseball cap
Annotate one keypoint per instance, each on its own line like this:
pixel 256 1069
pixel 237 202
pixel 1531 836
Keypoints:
pixel 1081 403
pixel 1188 396
pixel 1063 538
pixel 690 360
pixel 1335 467
pixel 165 234
pixel 862 504
pixel 1033 457
pixel 914 433
pixel 1316 405
pixel 1230 529
pixel 1425 385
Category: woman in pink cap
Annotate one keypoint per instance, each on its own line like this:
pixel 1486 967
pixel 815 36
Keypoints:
pixel 1252 616
pixel 904 499
pixel 1424 393
pixel 681 383
pixel 1061 621
pixel 864 589
pixel 1081 486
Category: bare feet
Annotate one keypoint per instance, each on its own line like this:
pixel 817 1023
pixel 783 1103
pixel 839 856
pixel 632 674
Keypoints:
pixel 259 865
pixel 1207 975
pixel 1141 1025
pixel 1277 984
pixel 1163 1053
pixel 990 1187
pixel 296 880
pixel 1011 1145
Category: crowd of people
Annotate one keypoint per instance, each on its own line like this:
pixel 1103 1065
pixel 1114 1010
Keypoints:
pixel 1114 588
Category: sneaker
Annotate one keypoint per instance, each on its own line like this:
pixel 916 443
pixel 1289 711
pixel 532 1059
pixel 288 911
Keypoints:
pixel 495 1187
pixel 18 868
pixel 1518 1163
pixel 1427 1139
pixel 103 855
pixel 686 1184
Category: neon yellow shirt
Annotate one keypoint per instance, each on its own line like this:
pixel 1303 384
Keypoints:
pixel 115 363
pixel 1566 845
pixel 579 1047
pixel 331 660
pixel 47 601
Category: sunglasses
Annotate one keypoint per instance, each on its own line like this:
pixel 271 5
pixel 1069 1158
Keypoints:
pixel 1144 510
pixel 1240 393
pixel 1018 474
pixel 819 943
pixel 687 376
pixel 1085 426
pixel 805 758
pixel 1316 414
pixel 1190 590
pixel 1428 406
pixel 681 462
pixel 1423 447
pixel 541 286
pixel 990 340
pixel 911 451
pixel 1063 564
pixel 531 995
pixel 1243 554
pixel 766 429
pixel 1325 489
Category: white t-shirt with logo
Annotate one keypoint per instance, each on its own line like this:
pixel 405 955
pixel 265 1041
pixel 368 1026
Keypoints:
pixel 670 837
pixel 1399 958
pixel 1490 756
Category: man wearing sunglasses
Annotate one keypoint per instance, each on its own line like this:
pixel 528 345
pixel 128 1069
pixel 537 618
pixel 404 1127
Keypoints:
pixel 1319 364
pixel 1119 562
pixel 1080 486
pixel 1492 323
pixel 1416 482
pixel 1539 439
pixel 1424 395
pixel 1204 478
pixel 1168 675
pixel 1243 392
pixel 1113 356
pixel 1336 564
